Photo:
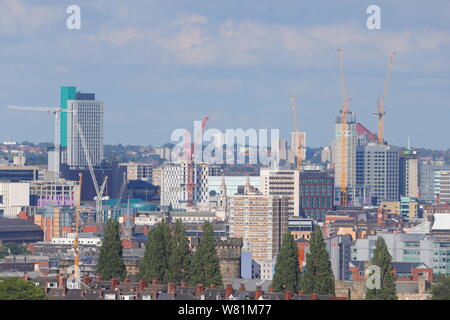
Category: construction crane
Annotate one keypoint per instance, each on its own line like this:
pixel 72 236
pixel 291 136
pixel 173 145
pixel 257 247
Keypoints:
pixel 75 241
pixel 57 112
pixel 345 101
pixel 122 189
pixel 380 101
pixel 190 165
pixel 297 135
pixel 99 191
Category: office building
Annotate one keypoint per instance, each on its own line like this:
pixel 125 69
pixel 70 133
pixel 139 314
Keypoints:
pixel 282 183
pixel 325 154
pixel 184 184
pixel 442 185
pixel 283 149
pixel 409 174
pixel 344 157
pixel 261 221
pixel 19 173
pixel 316 194
pixel 232 183
pixel 427 178
pixel 378 169
pixel 14 197
pixel 61 192
pixel 88 113
pixel 339 248
pixel 138 171
pixel 298 139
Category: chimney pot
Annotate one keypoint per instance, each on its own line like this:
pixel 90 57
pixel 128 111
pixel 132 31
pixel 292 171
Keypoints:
pixel 114 283
pixel 228 290
pixel 171 288
pixel 142 284
pixel 199 289
pixel 288 295
pixel 258 292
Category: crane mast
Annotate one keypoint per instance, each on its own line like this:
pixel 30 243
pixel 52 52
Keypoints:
pixel 298 137
pixel 99 191
pixel 345 101
pixel 380 101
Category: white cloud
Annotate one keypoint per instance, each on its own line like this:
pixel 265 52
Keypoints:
pixel 192 40
pixel 118 37
pixel 19 18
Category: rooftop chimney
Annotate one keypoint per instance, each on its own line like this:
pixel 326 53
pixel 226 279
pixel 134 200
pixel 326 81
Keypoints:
pixel 61 281
pixel 379 217
pixel 142 284
pixel 258 292
pixel 199 289
pixel 288 295
pixel 114 283
pixel 171 288
pixel 228 290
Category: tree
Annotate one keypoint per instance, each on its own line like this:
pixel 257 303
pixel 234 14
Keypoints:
pixel 179 261
pixel 110 263
pixel 441 289
pixel 13 249
pixel 155 263
pixel 205 268
pixel 383 259
pixel 20 289
pixel 287 269
pixel 318 277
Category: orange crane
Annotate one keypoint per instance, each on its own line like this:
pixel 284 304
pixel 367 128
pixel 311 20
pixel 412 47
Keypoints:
pixel 345 100
pixel 380 101
pixel 298 137
pixel 190 165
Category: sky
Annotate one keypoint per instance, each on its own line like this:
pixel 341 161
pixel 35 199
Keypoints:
pixel 160 65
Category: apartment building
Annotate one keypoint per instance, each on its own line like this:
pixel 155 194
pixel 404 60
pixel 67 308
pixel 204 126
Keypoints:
pixel 284 183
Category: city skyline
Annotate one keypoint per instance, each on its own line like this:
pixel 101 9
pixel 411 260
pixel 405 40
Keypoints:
pixel 159 67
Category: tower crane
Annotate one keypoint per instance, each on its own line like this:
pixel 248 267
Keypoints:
pixel 380 101
pixel 190 165
pixel 99 191
pixel 122 189
pixel 57 112
pixel 298 136
pixel 345 101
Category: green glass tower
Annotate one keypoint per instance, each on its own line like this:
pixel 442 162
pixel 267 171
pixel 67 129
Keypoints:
pixel 67 93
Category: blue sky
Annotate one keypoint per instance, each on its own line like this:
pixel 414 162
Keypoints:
pixel 160 65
